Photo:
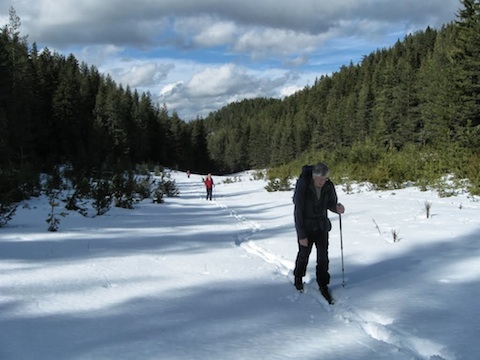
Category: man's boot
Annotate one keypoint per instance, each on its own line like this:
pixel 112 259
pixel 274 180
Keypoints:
pixel 326 294
pixel 298 283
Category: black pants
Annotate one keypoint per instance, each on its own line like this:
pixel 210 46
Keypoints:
pixel 209 193
pixel 320 239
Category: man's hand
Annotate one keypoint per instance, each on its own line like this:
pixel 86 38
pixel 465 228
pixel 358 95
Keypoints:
pixel 303 242
pixel 340 208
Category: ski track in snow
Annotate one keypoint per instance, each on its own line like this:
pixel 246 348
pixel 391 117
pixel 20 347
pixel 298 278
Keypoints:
pixel 374 325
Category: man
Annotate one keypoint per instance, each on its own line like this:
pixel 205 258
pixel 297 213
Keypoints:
pixel 314 195
pixel 209 186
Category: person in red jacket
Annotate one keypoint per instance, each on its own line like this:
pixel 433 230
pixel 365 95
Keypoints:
pixel 209 186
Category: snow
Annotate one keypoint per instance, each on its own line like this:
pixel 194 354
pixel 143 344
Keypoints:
pixel 197 279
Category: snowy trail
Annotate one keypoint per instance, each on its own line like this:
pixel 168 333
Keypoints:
pixel 373 324
pixel 209 280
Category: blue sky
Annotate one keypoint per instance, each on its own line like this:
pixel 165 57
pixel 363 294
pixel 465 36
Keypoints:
pixel 196 56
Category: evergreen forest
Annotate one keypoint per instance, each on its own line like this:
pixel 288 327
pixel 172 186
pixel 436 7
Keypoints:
pixel 407 113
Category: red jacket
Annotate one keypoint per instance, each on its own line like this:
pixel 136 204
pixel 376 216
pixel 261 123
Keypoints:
pixel 209 183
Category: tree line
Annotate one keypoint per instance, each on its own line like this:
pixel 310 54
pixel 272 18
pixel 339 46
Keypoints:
pixel 55 110
pixel 408 112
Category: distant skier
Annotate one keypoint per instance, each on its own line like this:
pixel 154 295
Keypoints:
pixel 209 186
pixel 314 195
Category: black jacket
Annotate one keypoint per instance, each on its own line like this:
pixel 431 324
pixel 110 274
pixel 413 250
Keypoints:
pixel 311 214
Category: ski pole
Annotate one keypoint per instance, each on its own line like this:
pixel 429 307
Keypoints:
pixel 341 248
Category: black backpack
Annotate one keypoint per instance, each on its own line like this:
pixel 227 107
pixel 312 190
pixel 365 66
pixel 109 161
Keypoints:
pixel 305 175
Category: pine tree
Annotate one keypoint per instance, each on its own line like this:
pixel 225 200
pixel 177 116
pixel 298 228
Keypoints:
pixel 468 55
pixel 65 105
pixel 439 100
pixel 15 101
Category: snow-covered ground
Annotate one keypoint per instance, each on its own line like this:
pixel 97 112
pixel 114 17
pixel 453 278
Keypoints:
pixel 197 279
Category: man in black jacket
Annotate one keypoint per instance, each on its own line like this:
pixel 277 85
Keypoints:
pixel 314 195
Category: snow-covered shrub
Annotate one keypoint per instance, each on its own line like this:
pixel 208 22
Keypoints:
pixel 282 184
pixel 164 187
pixel 102 196
pixel 6 213
pixel 53 220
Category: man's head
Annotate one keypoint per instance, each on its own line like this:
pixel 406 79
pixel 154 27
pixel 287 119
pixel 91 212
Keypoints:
pixel 320 174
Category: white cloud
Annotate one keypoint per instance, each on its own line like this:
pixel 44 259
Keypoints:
pixel 217 81
pixel 290 90
pixel 216 86
pixel 215 34
pixel 274 42
pixel 98 54
pixel 170 88
pixel 143 22
pixel 208 90
pixel 144 74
